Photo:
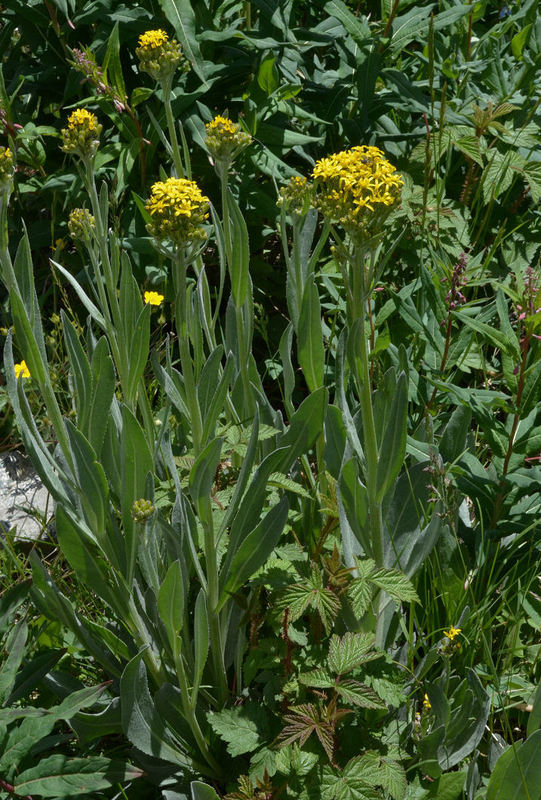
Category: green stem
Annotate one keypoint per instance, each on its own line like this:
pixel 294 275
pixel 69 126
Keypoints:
pixel 189 712
pixel 173 139
pixel 360 297
pixel 181 318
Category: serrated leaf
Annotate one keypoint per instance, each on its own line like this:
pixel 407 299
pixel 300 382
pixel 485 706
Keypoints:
pixel 350 651
pixel 360 593
pixel 396 584
pixel 237 729
pixel 358 694
pixel 281 481
pixel 311 594
pixel 61 776
pixel 304 720
pixel 317 679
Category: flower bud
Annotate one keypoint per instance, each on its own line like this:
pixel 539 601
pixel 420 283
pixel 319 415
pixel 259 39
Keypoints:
pixel 142 510
pixel 81 224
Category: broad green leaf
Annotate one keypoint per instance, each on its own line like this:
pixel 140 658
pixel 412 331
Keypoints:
pixel 240 265
pixel 317 679
pixel 238 727
pixel 254 550
pixel 311 351
pixel 304 428
pixel 201 640
pixel 393 447
pixel 92 485
pixel 517 773
pixel 357 27
pixel 171 601
pixel 103 389
pixel 267 75
pixel 16 648
pixel 203 473
pixel 141 722
pixel 202 791
pixel 61 776
pixel 112 63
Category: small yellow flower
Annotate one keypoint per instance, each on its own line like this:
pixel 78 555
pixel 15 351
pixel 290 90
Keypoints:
pixel 21 370
pixel 153 39
pixel 225 139
pixel 452 633
pixel 82 136
pixel 7 168
pixel 153 298
pixel 427 705
pixel 178 209
pixel 160 56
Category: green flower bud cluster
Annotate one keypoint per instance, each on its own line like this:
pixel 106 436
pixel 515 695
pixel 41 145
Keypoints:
pixel 81 224
pixel 142 510
pixel 296 196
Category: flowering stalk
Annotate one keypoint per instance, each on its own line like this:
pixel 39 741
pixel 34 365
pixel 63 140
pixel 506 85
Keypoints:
pixel 358 188
pixel 224 141
pixel 160 57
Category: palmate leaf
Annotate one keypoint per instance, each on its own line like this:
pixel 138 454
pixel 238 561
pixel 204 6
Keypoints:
pixel 304 720
pixel 392 581
pixel 311 594
pixel 361 778
pixel 358 694
pixel 350 651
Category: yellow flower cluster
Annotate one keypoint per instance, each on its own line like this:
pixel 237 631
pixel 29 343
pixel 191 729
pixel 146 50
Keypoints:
pixel 21 370
pixel 160 56
pixel 225 139
pixel 152 39
pixel 178 208
pixel 452 633
pixel 82 136
pixel 354 182
pixel 81 224
pixel 153 298
pixel 6 166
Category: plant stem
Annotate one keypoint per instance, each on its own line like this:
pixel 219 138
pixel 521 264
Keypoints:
pixel 177 159
pixel 360 297
pixel 181 319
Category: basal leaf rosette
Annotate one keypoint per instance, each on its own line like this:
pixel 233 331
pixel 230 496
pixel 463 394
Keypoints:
pixel 178 209
pixel 160 56
pixel 82 135
pixel 357 188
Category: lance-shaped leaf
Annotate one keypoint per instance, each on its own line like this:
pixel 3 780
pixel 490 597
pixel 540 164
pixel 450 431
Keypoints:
pixel 310 349
pixel 60 776
pixel 255 550
pixel 171 601
pixel 393 447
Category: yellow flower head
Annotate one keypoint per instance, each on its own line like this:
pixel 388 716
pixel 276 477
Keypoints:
pixel 153 39
pixel 160 56
pixel 82 135
pixel 7 168
pixel 21 370
pixel 427 705
pixel 81 224
pixel 356 187
pixel 452 633
pixel 225 139
pixel 153 298
pixel 178 209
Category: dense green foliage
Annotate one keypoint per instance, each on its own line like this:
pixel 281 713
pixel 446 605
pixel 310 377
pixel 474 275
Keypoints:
pixel 297 487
